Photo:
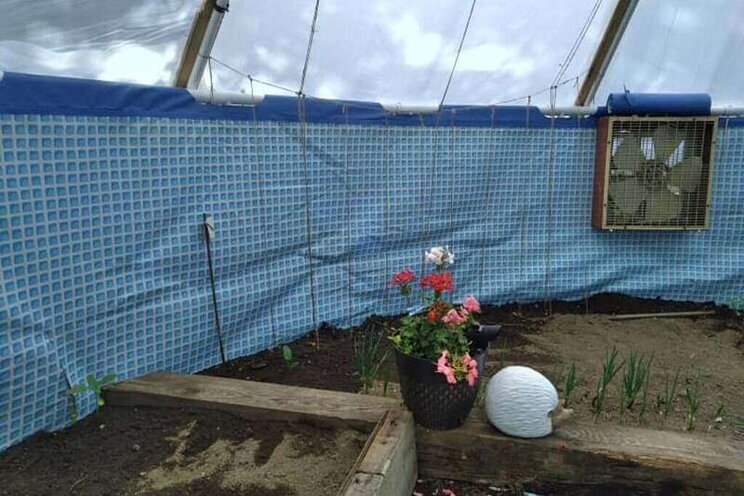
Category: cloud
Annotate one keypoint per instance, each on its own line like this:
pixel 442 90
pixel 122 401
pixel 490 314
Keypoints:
pixel 492 57
pixel 420 48
pixel 275 61
pixel 137 63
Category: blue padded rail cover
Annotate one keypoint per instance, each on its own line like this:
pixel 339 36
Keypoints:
pixel 31 94
pixel 628 103
pixel 104 186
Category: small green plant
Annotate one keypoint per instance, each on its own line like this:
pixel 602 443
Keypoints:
pixel 288 357
pixel 644 396
pixel 692 400
pixel 366 341
pixel 740 424
pixel 93 385
pixel 665 400
pixel 610 368
pixel 570 383
pixel 720 414
pixel 635 380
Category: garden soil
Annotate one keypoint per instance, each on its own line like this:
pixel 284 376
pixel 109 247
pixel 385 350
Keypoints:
pixel 169 452
pixel 708 352
pixel 705 352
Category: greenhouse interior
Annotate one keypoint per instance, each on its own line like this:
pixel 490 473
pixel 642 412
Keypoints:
pixel 451 248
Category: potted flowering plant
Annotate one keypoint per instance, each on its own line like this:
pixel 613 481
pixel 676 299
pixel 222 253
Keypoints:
pixel 438 365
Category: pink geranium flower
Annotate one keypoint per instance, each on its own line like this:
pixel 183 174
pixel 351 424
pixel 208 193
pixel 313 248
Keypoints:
pixel 443 367
pixel 472 367
pixel 471 304
pixel 455 318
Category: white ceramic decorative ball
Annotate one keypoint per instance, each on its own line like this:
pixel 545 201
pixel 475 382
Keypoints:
pixel 519 401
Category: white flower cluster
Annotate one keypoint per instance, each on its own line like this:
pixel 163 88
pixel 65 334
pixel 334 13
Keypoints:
pixel 439 255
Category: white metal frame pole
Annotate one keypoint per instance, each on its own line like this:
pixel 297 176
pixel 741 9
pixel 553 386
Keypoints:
pixel 605 50
pixel 198 46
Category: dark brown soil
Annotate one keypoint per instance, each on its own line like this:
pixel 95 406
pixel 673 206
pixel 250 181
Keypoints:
pixel 164 452
pixel 331 366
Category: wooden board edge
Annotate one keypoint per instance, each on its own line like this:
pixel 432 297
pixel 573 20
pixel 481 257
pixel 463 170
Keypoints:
pixel 387 464
pixel 249 399
pixel 549 465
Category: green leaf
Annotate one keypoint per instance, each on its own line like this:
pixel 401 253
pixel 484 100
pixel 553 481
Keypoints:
pixel 78 389
pixel 92 382
pixel 108 378
pixel 287 354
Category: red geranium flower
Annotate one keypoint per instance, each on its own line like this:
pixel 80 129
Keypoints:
pixel 405 276
pixel 436 311
pixel 438 281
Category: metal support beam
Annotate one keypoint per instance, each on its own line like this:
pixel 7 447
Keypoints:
pixel 605 50
pixel 198 47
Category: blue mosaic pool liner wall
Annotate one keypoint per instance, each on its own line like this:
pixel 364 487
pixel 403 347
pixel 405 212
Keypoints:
pixel 104 268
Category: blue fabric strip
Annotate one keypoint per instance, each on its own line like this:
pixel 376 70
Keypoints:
pixel 628 103
pixel 31 94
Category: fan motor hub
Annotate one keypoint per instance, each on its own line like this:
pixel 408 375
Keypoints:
pixel 654 176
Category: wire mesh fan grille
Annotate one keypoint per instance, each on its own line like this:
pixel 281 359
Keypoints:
pixel 659 173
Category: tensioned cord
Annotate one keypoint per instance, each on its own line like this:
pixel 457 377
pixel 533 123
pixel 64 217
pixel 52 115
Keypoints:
pixel 457 55
pixel 302 131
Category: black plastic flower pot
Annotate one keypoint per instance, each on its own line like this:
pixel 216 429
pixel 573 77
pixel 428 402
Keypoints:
pixel 434 402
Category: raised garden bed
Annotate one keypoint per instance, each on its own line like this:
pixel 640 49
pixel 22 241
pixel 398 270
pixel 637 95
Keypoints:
pixel 171 451
pixel 579 459
pixel 707 350
pixel 550 337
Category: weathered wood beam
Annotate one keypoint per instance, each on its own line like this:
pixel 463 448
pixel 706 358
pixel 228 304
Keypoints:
pixel 250 399
pixel 605 50
pixel 387 465
pixel 597 459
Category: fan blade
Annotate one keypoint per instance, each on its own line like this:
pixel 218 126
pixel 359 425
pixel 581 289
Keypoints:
pixel 628 154
pixel 686 174
pixel 627 195
pixel 666 141
pixel 662 206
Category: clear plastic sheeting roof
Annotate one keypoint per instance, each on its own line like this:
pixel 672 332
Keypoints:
pixel 402 52
pixel 387 50
pixel 133 40
pixel 681 46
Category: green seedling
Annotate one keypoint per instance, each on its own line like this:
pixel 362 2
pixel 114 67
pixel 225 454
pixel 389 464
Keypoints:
pixel 93 385
pixel 635 380
pixel 610 368
pixel 692 401
pixel 644 397
pixel 366 343
pixel 570 383
pixel 740 424
pixel 720 414
pixel 665 400
pixel 288 357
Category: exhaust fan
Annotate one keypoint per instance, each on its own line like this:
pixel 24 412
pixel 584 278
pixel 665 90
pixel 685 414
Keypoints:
pixel 653 172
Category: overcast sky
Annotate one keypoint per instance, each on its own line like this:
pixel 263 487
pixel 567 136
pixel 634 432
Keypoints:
pixel 387 50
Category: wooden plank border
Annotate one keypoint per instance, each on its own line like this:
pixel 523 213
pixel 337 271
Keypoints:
pixel 387 464
pixel 385 467
pixel 596 459
pixel 251 399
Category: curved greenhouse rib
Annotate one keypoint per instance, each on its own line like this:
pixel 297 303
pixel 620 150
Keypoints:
pixel 198 46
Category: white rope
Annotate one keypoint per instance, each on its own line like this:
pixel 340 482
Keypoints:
pixel 309 47
pixel 457 55
pixel 577 43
